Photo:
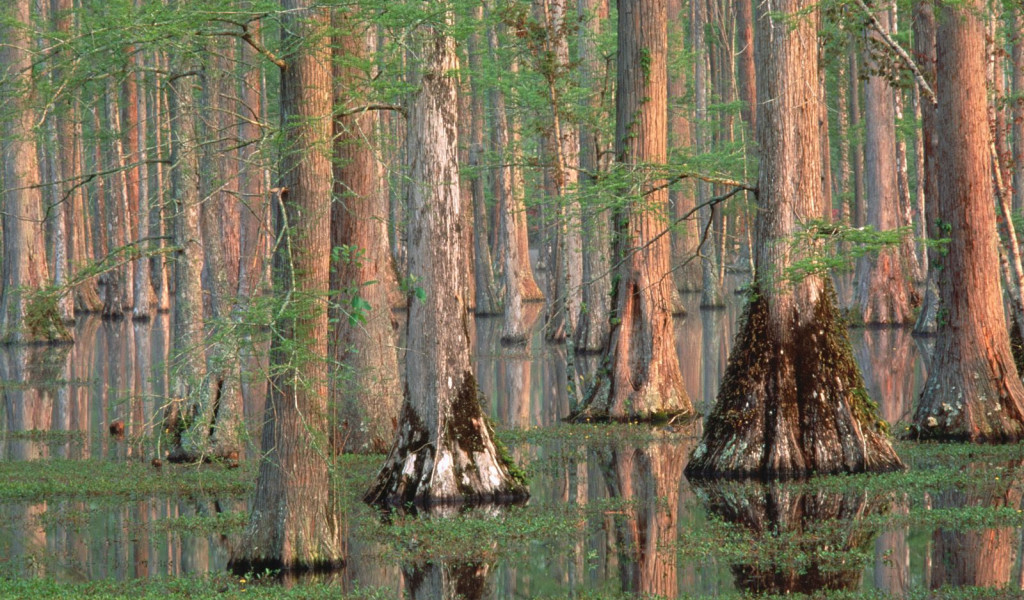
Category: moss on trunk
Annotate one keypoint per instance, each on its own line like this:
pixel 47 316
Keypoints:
pixel 792 405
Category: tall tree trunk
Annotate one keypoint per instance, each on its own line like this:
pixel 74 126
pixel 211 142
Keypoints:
pixel 142 292
pixel 859 212
pixel 973 391
pixel 368 395
pixel 564 150
pixel 513 243
pixel 792 401
pixel 117 292
pixel 26 313
pixel 883 291
pixel 487 300
pixel 444 450
pixel 592 325
pixel 1017 49
pixel 254 235
pixel 293 523
pixel 686 237
pixel 190 387
pixel 924 49
pixel 641 379
pixel 711 286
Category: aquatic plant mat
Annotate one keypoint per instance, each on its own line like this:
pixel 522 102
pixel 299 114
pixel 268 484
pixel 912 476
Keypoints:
pixel 610 516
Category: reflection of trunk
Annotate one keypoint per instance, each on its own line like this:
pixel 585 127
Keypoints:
pixel 976 557
pixel 447 581
pixel 973 391
pixel 892 559
pixel 444 451
pixel 792 400
pixel 367 395
pixel 28 373
pixel 643 380
pixel 812 535
pixel 647 533
pixel 887 360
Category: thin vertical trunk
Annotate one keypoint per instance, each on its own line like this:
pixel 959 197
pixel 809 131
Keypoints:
pixel 711 286
pixel 142 292
pixel 117 293
pixel 924 48
pixel 486 288
pixel 592 325
pixel 1017 112
pixel 686 237
pixel 859 211
pixel 883 293
pixel 160 211
pixel 254 236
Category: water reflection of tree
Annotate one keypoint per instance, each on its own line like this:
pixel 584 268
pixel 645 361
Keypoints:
pixel 798 541
pixel 977 557
pixel 28 384
pixel 466 581
pixel 646 530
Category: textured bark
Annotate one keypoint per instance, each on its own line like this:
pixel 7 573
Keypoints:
pixel 513 243
pixel 26 315
pixel 563 149
pixel 711 287
pixel 859 210
pixel 1016 32
pixel 293 523
pixel 161 219
pixel 682 196
pixel 641 379
pixel 973 391
pixel 805 527
pixel 190 385
pixel 882 295
pixel 142 291
pixel 444 451
pixel 368 396
pixel 924 52
pixel 592 325
pixel 792 401
pixel 746 76
pixel 254 234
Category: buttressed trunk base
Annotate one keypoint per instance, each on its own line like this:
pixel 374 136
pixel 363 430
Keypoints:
pixel 792 408
pixel 458 463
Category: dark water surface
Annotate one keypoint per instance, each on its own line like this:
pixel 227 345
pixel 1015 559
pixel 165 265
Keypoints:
pixel 645 528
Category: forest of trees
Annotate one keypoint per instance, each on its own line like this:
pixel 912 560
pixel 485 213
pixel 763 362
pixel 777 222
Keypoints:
pixel 293 177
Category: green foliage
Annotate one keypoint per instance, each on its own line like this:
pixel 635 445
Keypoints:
pixel 822 247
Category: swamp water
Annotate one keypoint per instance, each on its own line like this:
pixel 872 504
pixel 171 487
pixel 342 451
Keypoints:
pixel 610 510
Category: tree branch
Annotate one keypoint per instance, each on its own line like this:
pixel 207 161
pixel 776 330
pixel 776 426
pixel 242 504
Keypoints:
pixel 922 83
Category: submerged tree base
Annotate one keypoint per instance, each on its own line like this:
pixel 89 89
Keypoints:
pixel 792 408
pixel 460 463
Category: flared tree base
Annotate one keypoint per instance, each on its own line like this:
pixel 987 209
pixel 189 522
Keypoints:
pixel 461 463
pixel 790 409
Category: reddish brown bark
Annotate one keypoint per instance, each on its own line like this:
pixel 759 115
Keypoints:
pixel 293 523
pixel 25 315
pixel 792 401
pixel 368 396
pixel 642 379
pixel 973 391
